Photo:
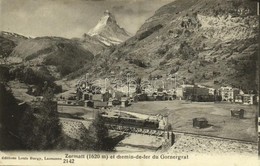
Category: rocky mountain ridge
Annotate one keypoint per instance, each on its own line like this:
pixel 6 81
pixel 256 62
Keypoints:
pixel 108 31
pixel 209 42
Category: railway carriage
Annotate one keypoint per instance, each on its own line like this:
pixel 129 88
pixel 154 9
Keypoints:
pixel 130 122
pixel 110 119
pixel 151 124
pixel 135 122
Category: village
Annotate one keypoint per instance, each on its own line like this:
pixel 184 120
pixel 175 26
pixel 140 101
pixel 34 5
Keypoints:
pixel 227 112
pixel 108 94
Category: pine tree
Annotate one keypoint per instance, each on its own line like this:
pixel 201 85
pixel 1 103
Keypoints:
pixel 138 89
pixel 42 130
pixel 99 134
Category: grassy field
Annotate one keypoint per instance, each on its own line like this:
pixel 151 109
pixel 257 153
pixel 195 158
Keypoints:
pixel 218 114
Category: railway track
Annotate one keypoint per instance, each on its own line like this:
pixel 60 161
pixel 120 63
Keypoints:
pixel 213 137
pixel 137 130
pixel 161 133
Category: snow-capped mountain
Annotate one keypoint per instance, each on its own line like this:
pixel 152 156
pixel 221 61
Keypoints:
pixel 108 31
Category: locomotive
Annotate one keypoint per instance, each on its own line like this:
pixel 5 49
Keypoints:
pixel 130 121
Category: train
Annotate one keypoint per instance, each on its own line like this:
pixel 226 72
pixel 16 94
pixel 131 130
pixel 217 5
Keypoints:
pixel 130 121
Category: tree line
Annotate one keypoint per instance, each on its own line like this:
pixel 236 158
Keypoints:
pixel 22 127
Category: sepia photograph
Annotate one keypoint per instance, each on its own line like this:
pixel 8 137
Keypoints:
pixel 173 81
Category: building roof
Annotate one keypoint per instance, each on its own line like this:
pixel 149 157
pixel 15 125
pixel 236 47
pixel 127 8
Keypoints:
pixel 226 87
pixel 200 119
pixel 186 85
pixel 248 94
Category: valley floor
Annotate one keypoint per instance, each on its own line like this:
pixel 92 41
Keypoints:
pixel 181 113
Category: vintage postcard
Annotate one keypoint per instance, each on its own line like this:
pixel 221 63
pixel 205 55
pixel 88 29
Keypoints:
pixel 131 82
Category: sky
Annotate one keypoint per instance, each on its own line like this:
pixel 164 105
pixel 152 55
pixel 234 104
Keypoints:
pixel 72 18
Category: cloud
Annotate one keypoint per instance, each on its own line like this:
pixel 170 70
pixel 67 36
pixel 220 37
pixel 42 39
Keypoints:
pixel 72 18
pixel 122 9
pixel 118 8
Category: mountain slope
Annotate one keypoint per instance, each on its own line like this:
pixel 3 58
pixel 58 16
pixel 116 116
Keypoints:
pixel 211 42
pixel 61 56
pixel 6 46
pixel 91 44
pixel 108 31
pixel 16 38
pixel 8 42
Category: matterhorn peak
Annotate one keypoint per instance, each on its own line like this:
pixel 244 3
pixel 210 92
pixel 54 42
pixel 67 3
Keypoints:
pixel 108 31
pixel 108 16
pixel 107 12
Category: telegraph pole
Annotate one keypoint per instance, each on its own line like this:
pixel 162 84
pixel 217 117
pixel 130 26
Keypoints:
pixel 128 84
pixel 175 81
